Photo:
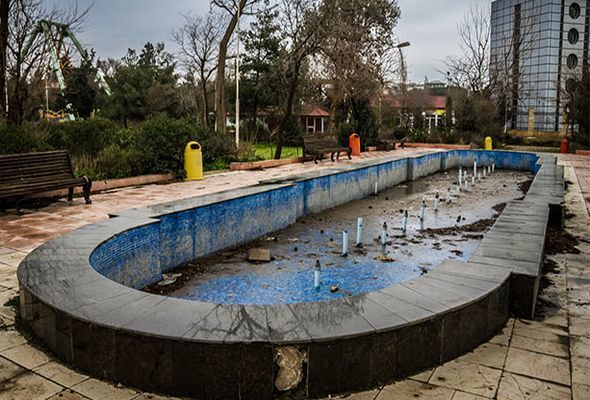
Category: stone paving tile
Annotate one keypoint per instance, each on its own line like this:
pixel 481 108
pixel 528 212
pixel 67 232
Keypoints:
pixel 471 378
pixel 95 389
pixel 369 395
pixel 59 373
pixel 488 354
pixel 9 370
pixel 540 341
pixel 68 394
pixel 26 355
pixel 518 387
pixel 536 365
pixel 423 376
pixel 580 392
pixel 10 338
pixel 504 336
pixel 28 387
pixel 580 326
pixel 412 390
pixel 580 347
pixel 581 370
pixel 466 396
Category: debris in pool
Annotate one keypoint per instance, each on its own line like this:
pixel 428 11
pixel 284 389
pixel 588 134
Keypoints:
pixel 458 253
pixel 259 254
pixel 295 248
pixel 271 239
pixel 423 270
pixel 293 240
pixel 168 279
pixel 385 258
pixel 334 289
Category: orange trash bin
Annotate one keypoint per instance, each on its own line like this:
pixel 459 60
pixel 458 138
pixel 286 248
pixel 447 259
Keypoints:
pixel 354 141
pixel 564 148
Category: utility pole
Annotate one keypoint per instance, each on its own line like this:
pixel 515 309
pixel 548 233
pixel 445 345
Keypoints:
pixel 238 78
pixel 4 11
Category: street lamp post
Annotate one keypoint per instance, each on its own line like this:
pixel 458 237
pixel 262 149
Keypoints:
pixel 238 79
pixel 404 75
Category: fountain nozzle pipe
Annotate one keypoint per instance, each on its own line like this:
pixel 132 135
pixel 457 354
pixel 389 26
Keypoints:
pixel 384 238
pixel 316 275
pixel 359 232
pixel 344 243
pixel 405 223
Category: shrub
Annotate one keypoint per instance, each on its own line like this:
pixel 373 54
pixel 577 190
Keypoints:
pixel 22 139
pixel 80 137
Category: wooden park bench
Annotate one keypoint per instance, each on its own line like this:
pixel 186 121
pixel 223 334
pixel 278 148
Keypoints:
pixel 389 142
pixel 317 145
pixel 26 174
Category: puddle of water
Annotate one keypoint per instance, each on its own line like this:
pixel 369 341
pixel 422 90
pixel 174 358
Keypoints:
pixel 289 278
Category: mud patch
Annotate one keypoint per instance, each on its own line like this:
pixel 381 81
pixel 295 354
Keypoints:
pixel 526 185
pixel 558 241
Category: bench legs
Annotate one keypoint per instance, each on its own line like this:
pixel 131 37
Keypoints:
pixel 70 194
pixel 86 190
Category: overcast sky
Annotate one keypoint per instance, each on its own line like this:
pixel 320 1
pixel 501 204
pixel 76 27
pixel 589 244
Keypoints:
pixel 115 25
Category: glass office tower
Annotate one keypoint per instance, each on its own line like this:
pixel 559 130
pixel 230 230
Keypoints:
pixel 536 47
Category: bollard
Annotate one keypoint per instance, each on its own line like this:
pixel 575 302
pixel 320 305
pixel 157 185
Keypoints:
pixel 458 189
pixel 494 167
pixel 479 176
pixel 436 201
pixel 485 171
pixel 405 223
pixel 359 232
pixel 384 237
pixel 473 181
pixel 466 184
pixel 474 167
pixel 316 275
pixel 460 175
pixel 448 199
pixel 344 243
pixel 376 188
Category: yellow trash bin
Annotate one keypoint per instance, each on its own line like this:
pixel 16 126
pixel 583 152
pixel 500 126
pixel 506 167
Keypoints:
pixel 193 161
pixel 488 143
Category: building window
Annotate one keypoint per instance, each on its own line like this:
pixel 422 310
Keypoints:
pixel 575 10
pixel 572 61
pixel 573 36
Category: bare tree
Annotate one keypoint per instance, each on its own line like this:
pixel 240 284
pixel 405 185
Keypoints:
pixel 350 55
pixel 471 69
pixel 301 21
pixel 236 9
pixel 199 40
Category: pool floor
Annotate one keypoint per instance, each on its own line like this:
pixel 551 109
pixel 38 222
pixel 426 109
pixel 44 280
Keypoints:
pixel 229 278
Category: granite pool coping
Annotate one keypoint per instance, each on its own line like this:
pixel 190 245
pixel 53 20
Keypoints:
pixel 58 284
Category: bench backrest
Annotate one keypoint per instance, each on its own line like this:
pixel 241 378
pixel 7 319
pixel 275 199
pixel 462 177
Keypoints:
pixel 311 142
pixel 17 169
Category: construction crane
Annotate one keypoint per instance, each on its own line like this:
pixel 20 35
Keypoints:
pixel 46 29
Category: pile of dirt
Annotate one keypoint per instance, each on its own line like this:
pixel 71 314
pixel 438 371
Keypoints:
pixel 558 241
pixel 186 273
pixel 483 225
pixel 525 185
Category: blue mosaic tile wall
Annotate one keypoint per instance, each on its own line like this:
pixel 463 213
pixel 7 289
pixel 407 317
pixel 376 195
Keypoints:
pixel 138 257
pixel 131 258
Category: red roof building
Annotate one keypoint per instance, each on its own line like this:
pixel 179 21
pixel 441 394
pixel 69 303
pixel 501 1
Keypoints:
pixel 315 119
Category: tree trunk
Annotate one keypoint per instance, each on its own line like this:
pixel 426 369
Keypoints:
pixel 220 82
pixel 4 8
pixel 205 99
pixel 293 84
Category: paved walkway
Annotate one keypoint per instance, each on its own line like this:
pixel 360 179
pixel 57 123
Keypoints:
pixel 545 359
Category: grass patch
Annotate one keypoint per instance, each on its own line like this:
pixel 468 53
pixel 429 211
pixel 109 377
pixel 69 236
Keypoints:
pixel 266 151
